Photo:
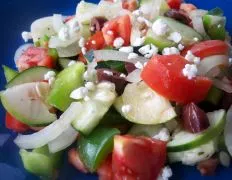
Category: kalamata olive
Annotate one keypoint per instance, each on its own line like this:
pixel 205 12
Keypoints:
pixel 129 67
pixel 179 15
pixel 97 23
pixel 208 167
pixel 226 100
pixel 114 77
pixel 194 119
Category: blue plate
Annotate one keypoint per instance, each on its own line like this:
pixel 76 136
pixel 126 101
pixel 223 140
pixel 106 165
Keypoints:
pixel 16 16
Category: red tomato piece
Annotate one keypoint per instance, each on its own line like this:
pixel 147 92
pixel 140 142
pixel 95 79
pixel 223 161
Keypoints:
pixel 131 5
pixel 174 4
pixel 82 58
pixel 105 170
pixel 95 42
pixel 118 27
pixel 207 48
pixel 15 125
pixel 74 159
pixel 137 157
pixel 35 56
pixel 164 75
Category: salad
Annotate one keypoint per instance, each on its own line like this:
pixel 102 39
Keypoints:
pixel 126 88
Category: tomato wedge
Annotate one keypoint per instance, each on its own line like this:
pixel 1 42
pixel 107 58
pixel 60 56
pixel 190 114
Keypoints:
pixel 174 4
pixel 14 124
pixel 118 27
pixel 164 75
pixel 207 48
pixel 35 56
pixel 105 170
pixel 95 42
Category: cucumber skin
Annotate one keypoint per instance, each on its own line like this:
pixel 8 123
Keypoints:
pixel 28 75
pixel 9 73
pixel 202 139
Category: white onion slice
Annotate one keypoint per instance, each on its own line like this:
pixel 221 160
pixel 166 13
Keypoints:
pixel 227 87
pixel 50 132
pixel 20 51
pixel 228 131
pixel 114 55
pixel 134 76
pixel 69 51
pixel 198 25
pixel 3 139
pixel 57 22
pixel 63 141
pixel 210 62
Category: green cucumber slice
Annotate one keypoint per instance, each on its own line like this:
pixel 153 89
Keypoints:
pixel 147 107
pixel 188 34
pixel 94 109
pixel 95 147
pixel 33 74
pixel 66 81
pixel 26 103
pixel 9 73
pixel 183 140
pixel 145 130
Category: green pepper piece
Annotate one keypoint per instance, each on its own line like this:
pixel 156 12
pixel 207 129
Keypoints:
pixel 95 147
pixel 40 161
pixel 67 80
pixel 214 96
pixel 53 53
pixel 114 65
pixel 9 73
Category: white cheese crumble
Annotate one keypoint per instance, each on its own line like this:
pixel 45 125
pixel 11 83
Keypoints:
pixel 93 42
pixel 109 32
pixel 166 173
pixel 180 47
pixel 224 159
pixel 126 49
pixel 192 58
pixel 26 36
pixel 145 49
pixel 196 39
pixel 175 37
pixel 170 51
pixel 139 41
pixel 139 65
pixel 122 75
pixel 64 33
pixel 141 19
pixel 160 28
pixel 132 55
pixel 71 63
pixel 190 71
pixel 230 60
pixel 219 25
pixel 118 42
pixel 79 93
pixel 73 26
pixel 83 50
pixel 109 73
pixel 90 86
pixel 81 42
pixel 106 85
pixel 163 135
pixel 148 50
pixel 92 28
pixel 126 108
pixel 49 74
pixel 137 12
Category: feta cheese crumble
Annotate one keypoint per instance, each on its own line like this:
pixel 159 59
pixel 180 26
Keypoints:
pixel 139 65
pixel 196 39
pixel 71 63
pixel 139 41
pixel 230 61
pixel 137 12
pixel 64 33
pixel 145 49
pixel 109 32
pixel 49 74
pixel 90 86
pixel 118 42
pixel 126 49
pixel 73 26
pixel 83 50
pixel 180 47
pixel 166 173
pixel 175 37
pixel 109 73
pixel 192 58
pixel 93 42
pixel 79 93
pixel 141 19
pixel 170 51
pixel 26 36
pixel 122 75
pixel 160 28
pixel 81 42
pixel 190 71
pixel 126 108
pixel 163 135
pixel 132 56
pixel 224 159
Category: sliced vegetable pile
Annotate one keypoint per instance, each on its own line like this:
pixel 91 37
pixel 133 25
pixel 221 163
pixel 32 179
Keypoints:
pixel 126 87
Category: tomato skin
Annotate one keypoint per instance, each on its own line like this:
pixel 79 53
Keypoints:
pixel 207 48
pixel 35 56
pixel 137 157
pixel 174 4
pixel 130 5
pixel 98 39
pixel 14 124
pixel 164 75
pixel 105 170
pixel 121 27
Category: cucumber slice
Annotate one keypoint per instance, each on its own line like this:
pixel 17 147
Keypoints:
pixel 183 140
pixel 26 103
pixel 145 130
pixel 9 73
pixel 188 34
pixel 158 41
pixel 66 81
pixel 94 109
pixel 63 62
pixel 193 156
pixel 33 74
pixel 147 107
